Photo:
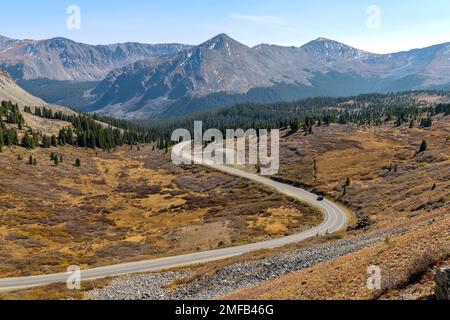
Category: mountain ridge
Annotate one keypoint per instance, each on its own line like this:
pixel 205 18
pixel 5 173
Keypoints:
pixel 67 60
pixel 226 67
pixel 223 71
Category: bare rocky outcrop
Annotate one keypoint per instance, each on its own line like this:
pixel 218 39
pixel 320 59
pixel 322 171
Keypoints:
pixel 443 284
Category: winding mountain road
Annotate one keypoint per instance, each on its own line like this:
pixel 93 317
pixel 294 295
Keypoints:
pixel 335 219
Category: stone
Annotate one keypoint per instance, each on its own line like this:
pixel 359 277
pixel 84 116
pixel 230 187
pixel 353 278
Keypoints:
pixel 442 291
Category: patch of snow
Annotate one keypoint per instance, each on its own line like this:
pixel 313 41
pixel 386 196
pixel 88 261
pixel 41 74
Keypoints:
pixel 447 51
pixel 6 50
pixel 189 55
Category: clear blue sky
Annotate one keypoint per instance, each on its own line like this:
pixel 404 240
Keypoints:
pixel 404 24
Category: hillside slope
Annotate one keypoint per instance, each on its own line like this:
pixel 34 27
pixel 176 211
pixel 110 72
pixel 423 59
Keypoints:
pixel 10 91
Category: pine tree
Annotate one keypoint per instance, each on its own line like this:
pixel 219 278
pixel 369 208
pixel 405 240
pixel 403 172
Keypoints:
pixel 295 125
pixel 53 141
pixel 348 182
pixel 46 141
pixel 426 123
pixel 78 163
pixel 56 160
pixel 27 141
pixel 30 160
pixel 61 158
pixel 1 139
pixel 423 146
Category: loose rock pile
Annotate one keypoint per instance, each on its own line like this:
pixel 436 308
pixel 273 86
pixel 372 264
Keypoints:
pixel 153 286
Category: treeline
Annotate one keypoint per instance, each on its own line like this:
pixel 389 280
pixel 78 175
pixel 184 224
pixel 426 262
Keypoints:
pixel 95 131
pixel 86 131
pixel 9 114
pixel 91 131
pixel 367 109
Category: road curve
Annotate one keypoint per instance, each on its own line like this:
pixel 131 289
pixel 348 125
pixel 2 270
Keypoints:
pixel 335 219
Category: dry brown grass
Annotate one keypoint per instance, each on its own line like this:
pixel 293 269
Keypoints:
pixel 365 154
pixel 388 198
pixel 54 291
pixel 125 206
pixel 403 261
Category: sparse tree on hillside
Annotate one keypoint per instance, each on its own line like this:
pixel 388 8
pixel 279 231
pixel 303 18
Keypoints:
pixel 53 141
pixel 30 160
pixel 29 141
pixel 46 141
pixel 423 146
pixel 348 182
pixel 1 139
pixel 426 123
pixel 78 163
pixel 295 125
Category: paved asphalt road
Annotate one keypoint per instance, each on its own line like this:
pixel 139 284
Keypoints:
pixel 335 219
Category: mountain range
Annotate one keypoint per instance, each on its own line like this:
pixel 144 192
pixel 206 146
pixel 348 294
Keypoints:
pixel 64 59
pixel 151 81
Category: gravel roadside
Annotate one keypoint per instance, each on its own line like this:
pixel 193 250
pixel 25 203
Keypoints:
pixel 152 286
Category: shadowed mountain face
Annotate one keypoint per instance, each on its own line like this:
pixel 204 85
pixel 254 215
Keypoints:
pixel 63 59
pixel 223 71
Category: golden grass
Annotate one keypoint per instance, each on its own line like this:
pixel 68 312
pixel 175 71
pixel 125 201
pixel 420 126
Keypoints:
pixel 123 206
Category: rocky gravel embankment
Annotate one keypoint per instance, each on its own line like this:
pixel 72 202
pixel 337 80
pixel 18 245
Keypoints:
pixel 153 286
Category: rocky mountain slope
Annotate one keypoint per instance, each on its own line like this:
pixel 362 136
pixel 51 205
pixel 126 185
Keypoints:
pixel 10 91
pixel 224 67
pixel 63 59
pixel 151 81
